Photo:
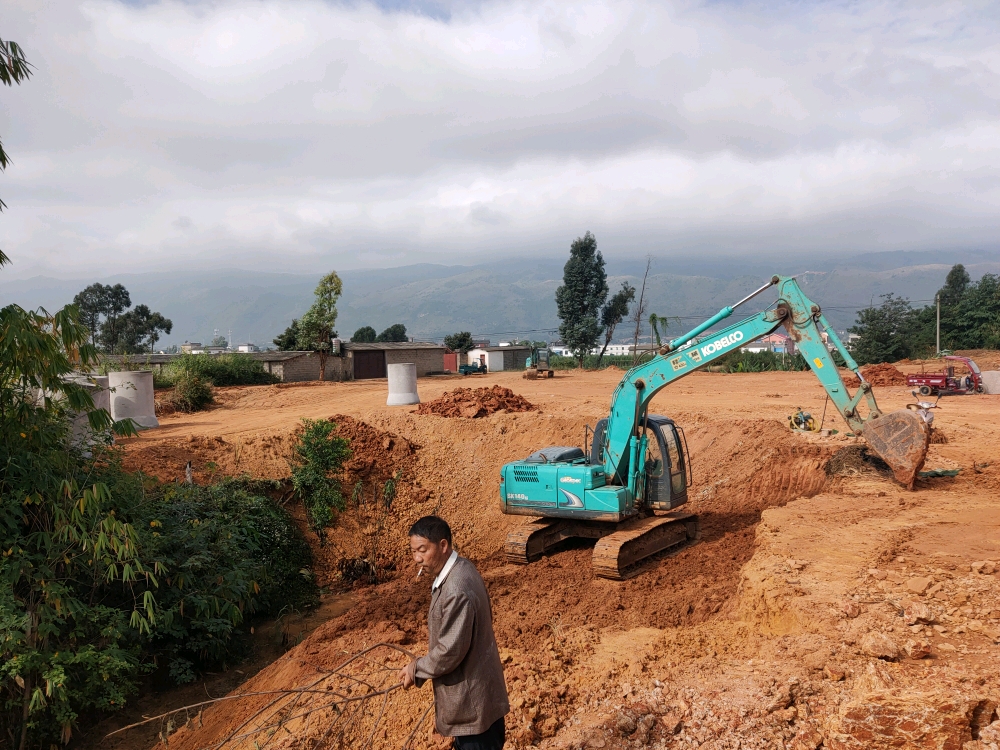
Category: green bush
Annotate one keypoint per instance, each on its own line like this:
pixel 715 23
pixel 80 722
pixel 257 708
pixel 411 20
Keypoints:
pixel 73 607
pixel 319 458
pixel 227 553
pixel 149 575
pixel 191 392
pixel 220 369
pixel 105 574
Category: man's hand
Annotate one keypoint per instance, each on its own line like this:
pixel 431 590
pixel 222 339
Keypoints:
pixel 406 674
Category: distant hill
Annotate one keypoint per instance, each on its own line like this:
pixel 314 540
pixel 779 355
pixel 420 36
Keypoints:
pixel 499 299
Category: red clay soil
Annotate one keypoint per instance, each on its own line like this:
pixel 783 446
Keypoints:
pixel 757 634
pixel 476 402
pixel 882 374
pixel 752 465
pixel 376 455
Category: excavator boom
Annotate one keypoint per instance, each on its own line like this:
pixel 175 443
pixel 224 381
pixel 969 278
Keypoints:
pixel 900 439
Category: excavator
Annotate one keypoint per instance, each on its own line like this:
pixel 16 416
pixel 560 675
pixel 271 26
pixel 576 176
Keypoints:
pixel 624 488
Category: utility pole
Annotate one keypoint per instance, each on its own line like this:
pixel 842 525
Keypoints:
pixel 938 299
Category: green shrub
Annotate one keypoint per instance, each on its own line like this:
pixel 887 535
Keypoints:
pixel 148 574
pixel 73 585
pixel 319 458
pixel 104 574
pixel 191 392
pixel 227 553
pixel 220 369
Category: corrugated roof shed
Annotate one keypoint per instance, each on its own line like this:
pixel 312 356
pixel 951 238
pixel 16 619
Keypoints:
pixel 384 345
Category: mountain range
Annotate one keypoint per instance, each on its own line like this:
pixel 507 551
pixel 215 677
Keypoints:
pixel 502 299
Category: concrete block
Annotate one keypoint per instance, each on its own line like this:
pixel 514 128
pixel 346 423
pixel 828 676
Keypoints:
pixel 132 397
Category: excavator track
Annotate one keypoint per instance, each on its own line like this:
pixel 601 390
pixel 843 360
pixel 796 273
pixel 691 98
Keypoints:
pixel 620 555
pixel 529 542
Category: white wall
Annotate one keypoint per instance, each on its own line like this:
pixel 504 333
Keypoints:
pixel 494 360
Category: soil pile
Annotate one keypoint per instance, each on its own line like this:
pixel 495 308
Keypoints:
pixel 476 402
pixel 366 530
pixel 882 374
pixel 376 455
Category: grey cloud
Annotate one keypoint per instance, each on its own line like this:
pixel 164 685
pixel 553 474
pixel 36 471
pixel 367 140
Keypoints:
pixel 376 134
pixel 219 152
pixel 483 214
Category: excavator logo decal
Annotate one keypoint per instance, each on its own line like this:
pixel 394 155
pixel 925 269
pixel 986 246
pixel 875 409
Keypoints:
pixel 722 343
pixel 572 501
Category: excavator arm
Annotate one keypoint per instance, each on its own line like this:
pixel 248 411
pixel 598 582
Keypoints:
pixel 900 438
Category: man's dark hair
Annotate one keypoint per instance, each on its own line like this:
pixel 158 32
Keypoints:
pixel 431 528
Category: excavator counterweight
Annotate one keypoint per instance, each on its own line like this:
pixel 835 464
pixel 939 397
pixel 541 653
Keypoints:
pixel 625 490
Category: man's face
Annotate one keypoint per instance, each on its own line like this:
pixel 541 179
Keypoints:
pixel 430 555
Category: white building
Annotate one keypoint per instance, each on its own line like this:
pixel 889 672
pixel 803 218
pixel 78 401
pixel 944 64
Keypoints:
pixel 247 348
pixel 497 358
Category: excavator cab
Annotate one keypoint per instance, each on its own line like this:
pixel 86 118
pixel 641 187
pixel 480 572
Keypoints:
pixel 668 468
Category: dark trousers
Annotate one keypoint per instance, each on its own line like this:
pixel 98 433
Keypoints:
pixel 492 739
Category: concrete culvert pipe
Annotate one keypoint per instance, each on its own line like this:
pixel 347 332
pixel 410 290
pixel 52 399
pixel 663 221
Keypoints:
pixel 132 397
pixel 402 385
pixel 101 394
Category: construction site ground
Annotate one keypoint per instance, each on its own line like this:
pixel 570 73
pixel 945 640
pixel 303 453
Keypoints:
pixel 824 605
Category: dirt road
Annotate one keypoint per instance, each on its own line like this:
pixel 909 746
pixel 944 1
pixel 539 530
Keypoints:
pixel 824 606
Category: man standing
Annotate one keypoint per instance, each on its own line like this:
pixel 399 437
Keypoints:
pixel 470 696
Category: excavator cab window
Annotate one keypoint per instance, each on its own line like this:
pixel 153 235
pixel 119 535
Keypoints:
pixel 654 454
pixel 678 474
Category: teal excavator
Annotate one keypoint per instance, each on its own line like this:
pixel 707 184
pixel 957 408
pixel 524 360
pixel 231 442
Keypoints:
pixel 623 489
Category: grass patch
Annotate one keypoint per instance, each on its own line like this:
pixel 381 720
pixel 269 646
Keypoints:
pixel 218 369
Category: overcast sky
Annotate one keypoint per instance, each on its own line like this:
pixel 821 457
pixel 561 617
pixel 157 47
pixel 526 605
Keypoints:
pixel 305 135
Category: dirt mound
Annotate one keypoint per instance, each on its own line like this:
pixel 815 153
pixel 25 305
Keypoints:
pixel 476 402
pixel 883 374
pixel 364 530
pixel 376 455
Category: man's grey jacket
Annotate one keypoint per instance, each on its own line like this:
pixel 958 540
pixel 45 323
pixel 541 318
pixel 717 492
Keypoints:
pixel 463 661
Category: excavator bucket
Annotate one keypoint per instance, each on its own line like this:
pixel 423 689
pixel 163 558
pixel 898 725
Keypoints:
pixel 901 439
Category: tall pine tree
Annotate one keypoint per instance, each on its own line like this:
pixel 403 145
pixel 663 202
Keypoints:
pixel 579 299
